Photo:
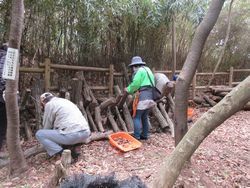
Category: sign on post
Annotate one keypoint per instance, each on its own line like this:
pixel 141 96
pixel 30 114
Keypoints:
pixel 10 64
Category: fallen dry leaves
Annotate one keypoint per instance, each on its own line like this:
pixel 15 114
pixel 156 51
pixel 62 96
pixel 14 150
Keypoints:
pixel 222 160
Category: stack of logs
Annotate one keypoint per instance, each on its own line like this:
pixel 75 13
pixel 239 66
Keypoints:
pixel 110 113
pixel 214 95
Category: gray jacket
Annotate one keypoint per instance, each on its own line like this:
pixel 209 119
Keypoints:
pixel 63 115
pixel 160 81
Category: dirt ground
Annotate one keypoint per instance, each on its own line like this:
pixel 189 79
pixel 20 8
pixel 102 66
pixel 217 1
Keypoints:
pixel 222 160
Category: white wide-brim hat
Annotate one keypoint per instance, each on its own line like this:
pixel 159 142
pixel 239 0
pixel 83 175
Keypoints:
pixel 136 60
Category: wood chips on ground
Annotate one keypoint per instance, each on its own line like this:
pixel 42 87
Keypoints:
pixel 222 160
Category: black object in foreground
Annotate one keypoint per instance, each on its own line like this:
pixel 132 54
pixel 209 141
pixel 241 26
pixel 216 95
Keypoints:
pixel 98 181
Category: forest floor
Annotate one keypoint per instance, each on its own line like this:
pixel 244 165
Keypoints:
pixel 222 160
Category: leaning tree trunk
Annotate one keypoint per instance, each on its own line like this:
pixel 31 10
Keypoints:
pixel 190 66
pixel 17 160
pixel 172 165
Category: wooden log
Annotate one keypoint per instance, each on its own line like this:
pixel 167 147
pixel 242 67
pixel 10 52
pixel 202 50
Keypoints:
pixel 60 172
pixel 129 101
pixel 107 103
pixel 157 113
pixel 76 96
pixel 126 113
pixel 36 92
pixel 24 99
pixel 222 94
pixel 111 80
pixel 112 121
pixel 81 107
pixel 123 100
pixel 98 136
pixel 171 103
pixel 119 118
pixel 110 102
pixel 247 107
pixel 98 119
pixel 28 131
pixel 205 105
pixel 198 100
pixel 169 121
pixel 231 72
pixel 66 158
pixel 94 101
pixel 216 90
pixel 216 98
pixel 209 101
pixel 91 121
pixel 87 93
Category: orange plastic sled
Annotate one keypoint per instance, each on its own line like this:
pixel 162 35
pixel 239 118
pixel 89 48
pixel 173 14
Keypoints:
pixel 124 141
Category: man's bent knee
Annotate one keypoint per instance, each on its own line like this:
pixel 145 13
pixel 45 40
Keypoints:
pixel 39 134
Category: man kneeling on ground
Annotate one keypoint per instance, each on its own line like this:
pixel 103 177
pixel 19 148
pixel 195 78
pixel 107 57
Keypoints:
pixel 63 125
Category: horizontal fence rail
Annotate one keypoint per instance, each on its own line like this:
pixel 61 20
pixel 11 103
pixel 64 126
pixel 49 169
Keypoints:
pixel 47 68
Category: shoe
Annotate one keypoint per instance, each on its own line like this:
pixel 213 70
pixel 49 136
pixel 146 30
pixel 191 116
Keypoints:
pixel 56 156
pixel 75 153
pixel 143 138
pixel 135 137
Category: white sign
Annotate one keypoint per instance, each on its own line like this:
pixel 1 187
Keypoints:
pixel 10 64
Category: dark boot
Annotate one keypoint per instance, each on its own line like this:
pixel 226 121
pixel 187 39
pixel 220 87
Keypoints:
pixel 75 152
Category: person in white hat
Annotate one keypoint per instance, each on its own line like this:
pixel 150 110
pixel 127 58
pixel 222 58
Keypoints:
pixel 63 124
pixel 142 83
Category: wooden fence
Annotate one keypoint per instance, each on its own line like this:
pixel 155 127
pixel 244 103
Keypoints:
pixel 47 68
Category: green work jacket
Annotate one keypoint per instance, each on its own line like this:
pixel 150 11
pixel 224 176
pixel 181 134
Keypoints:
pixel 141 79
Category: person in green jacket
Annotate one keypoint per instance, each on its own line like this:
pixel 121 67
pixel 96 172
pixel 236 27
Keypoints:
pixel 142 83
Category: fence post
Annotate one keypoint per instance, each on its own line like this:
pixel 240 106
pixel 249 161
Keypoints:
pixel 153 70
pixel 111 80
pixel 230 82
pixel 194 86
pixel 47 74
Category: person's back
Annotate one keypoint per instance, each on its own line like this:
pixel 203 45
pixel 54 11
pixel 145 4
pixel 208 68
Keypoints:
pixel 163 84
pixel 63 125
pixel 65 116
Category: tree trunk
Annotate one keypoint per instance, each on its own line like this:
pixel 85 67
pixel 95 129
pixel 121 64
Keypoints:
pixel 224 45
pixel 172 165
pixel 17 160
pixel 189 68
